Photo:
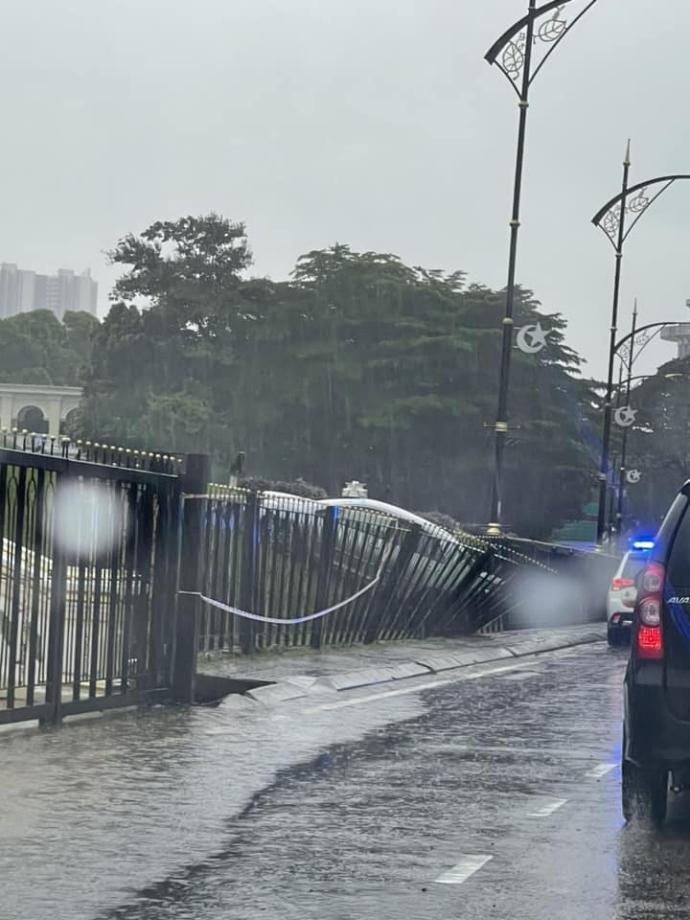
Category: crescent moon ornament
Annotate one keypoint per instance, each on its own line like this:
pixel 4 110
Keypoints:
pixel 531 339
pixel 640 202
pixel 625 416
pixel 633 477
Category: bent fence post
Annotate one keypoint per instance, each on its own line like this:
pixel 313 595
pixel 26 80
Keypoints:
pixel 388 590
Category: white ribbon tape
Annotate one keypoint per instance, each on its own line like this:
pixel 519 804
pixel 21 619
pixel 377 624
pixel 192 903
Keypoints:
pixel 280 621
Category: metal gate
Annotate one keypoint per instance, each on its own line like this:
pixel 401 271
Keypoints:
pixel 87 579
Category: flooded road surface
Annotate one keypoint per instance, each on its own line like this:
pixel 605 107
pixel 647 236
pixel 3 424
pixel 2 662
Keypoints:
pixel 94 811
pixel 495 796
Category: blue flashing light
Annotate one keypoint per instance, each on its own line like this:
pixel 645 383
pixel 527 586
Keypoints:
pixel 643 544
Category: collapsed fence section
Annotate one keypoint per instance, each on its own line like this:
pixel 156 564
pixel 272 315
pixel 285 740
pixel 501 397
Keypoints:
pixel 282 571
pixel 86 584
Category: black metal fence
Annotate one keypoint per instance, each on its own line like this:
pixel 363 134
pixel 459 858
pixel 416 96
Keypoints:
pixel 87 580
pixel 44 445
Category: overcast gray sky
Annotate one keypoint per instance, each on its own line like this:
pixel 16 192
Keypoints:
pixel 371 122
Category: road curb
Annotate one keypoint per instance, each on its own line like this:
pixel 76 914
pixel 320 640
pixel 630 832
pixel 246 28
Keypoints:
pixel 276 693
pixel 350 680
pixel 296 687
pixel 438 663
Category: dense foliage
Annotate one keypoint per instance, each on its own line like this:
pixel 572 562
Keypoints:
pixel 37 347
pixel 360 367
pixel 658 443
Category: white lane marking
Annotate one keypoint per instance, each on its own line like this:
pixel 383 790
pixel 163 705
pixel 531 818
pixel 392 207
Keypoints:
pixel 467 866
pixel 547 809
pixel 600 770
pixel 374 697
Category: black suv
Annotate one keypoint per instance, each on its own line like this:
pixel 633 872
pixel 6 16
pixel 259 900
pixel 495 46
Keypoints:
pixel 656 731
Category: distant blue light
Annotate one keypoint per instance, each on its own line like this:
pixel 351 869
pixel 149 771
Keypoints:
pixel 643 544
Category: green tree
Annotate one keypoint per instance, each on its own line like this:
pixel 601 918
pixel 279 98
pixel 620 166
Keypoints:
pixel 164 366
pixel 387 374
pixel 36 347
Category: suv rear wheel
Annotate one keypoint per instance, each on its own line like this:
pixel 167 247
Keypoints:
pixel 613 636
pixel 645 792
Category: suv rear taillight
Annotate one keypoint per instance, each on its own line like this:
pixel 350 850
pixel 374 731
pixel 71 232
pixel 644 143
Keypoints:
pixel 649 637
pixel 650 612
pixel 618 583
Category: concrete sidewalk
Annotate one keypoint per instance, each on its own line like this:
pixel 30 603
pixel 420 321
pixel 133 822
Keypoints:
pixel 291 674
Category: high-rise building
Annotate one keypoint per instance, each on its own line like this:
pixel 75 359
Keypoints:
pixel 22 291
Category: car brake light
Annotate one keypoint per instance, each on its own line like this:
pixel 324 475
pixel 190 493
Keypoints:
pixel 649 642
pixel 619 583
pixel 649 636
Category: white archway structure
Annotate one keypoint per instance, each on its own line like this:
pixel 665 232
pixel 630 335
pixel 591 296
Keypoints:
pixel 54 403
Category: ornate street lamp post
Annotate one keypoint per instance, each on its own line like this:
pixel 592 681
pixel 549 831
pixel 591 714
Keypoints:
pixel 516 54
pixel 633 201
pixel 628 351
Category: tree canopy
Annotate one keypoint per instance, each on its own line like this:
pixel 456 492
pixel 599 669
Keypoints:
pixel 358 367
pixel 37 347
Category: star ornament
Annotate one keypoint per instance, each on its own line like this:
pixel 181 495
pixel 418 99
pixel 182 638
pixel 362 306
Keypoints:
pixel 531 339
pixel 625 416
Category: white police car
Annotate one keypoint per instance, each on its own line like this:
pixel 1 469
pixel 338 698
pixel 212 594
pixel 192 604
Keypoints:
pixel 622 595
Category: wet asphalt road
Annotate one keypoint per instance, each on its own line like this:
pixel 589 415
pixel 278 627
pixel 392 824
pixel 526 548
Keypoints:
pixel 494 796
